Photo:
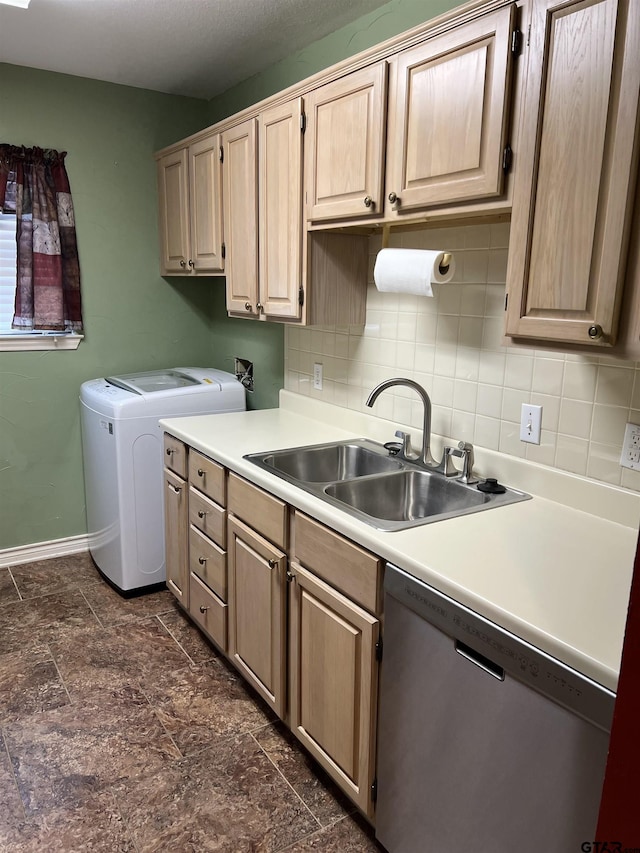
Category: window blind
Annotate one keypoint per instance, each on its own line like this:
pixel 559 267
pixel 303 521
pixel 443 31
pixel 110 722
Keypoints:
pixel 7 270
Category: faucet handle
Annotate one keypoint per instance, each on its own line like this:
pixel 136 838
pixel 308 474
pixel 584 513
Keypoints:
pixel 466 451
pixel 405 438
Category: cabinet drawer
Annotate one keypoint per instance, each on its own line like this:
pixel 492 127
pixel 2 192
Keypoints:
pixel 175 455
pixel 208 611
pixel 262 511
pixel 347 567
pixel 208 517
pixel 207 476
pixel 208 562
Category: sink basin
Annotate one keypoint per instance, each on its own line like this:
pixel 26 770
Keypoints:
pixel 359 477
pixel 407 496
pixel 328 462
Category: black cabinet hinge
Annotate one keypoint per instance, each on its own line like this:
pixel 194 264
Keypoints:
pixel 378 648
pixel 374 791
pixel 301 296
pixel 303 122
pixel 507 158
pixel 516 42
pixel 224 251
pixel 221 155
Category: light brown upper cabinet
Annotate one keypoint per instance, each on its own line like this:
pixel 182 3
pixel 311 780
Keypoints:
pixel 190 209
pixel 448 110
pixel 344 158
pixel 262 170
pixel 575 173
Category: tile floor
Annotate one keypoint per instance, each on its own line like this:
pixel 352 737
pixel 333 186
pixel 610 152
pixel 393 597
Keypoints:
pixel 122 729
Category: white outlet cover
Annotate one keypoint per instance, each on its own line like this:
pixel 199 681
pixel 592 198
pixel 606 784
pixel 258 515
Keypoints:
pixel 630 456
pixel 530 423
pixel 317 376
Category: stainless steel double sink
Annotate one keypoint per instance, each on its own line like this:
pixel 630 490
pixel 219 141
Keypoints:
pixel 360 477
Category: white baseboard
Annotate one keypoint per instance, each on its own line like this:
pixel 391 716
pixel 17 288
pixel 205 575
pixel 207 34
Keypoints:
pixel 43 550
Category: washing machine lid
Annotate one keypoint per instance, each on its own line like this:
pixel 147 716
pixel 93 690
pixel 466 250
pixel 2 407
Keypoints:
pixel 152 381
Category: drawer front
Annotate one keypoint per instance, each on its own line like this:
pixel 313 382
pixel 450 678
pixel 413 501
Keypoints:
pixel 208 517
pixel 261 511
pixel 207 476
pixel 208 611
pixel 349 568
pixel 208 562
pixel 175 455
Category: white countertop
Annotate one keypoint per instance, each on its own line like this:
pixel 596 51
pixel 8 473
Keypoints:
pixel 556 572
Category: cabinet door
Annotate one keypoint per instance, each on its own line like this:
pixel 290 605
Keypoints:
pixel 344 156
pixel 280 147
pixel 256 586
pixel 448 115
pixel 205 205
pixel 176 536
pixel 334 682
pixel 173 211
pixel 240 188
pixel 575 173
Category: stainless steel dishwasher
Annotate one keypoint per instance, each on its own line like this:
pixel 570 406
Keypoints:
pixel 486 744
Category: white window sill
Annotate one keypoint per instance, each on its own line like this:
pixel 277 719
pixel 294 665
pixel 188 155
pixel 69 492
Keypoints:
pixel 28 342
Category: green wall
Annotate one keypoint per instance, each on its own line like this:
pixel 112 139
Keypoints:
pixel 133 318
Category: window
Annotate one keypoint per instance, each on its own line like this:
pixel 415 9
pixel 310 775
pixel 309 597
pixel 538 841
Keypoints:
pixel 7 270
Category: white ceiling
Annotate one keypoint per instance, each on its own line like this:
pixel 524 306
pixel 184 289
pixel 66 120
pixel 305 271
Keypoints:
pixel 185 47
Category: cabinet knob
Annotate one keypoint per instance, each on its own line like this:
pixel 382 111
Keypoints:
pixel 393 198
pixel 272 564
pixel 248 306
pixel 202 560
pixel 260 307
pixel 175 489
pixel 368 201
pixel 203 609
pixel 290 576
pixel 183 263
pixel 191 263
pixel 201 513
pixel 595 332
pixel 200 472
pixel 170 451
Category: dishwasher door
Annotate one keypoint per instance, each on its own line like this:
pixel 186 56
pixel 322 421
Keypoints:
pixel 485 744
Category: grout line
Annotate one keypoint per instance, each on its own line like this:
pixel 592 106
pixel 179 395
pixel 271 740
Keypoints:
pixel 98 620
pixel 62 681
pixel 289 785
pixel 13 776
pixel 20 598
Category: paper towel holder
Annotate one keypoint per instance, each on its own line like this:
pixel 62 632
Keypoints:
pixel 443 266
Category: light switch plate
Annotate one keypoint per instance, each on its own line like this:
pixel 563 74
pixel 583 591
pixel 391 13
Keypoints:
pixel 317 376
pixel 630 456
pixel 530 423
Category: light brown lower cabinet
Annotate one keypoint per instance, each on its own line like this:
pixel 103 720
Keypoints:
pixel 333 678
pixel 176 536
pixel 257 612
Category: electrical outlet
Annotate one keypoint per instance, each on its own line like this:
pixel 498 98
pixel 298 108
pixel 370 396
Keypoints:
pixel 630 457
pixel 530 423
pixel 317 376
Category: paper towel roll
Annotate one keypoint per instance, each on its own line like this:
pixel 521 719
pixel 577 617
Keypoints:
pixel 410 271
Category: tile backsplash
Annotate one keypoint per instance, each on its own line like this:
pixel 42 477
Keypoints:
pixel 453 345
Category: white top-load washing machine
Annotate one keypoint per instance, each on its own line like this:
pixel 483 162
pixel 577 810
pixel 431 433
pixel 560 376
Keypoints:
pixel 122 451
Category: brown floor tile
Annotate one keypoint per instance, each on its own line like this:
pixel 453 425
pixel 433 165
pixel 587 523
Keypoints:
pixel 349 835
pixel 8 592
pixel 307 778
pixel 229 799
pixel 188 636
pixel 11 810
pixel 65 755
pixel 44 577
pixel 198 706
pixel 33 622
pixel 95 824
pixel 111 608
pixel 95 658
pixel 29 682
